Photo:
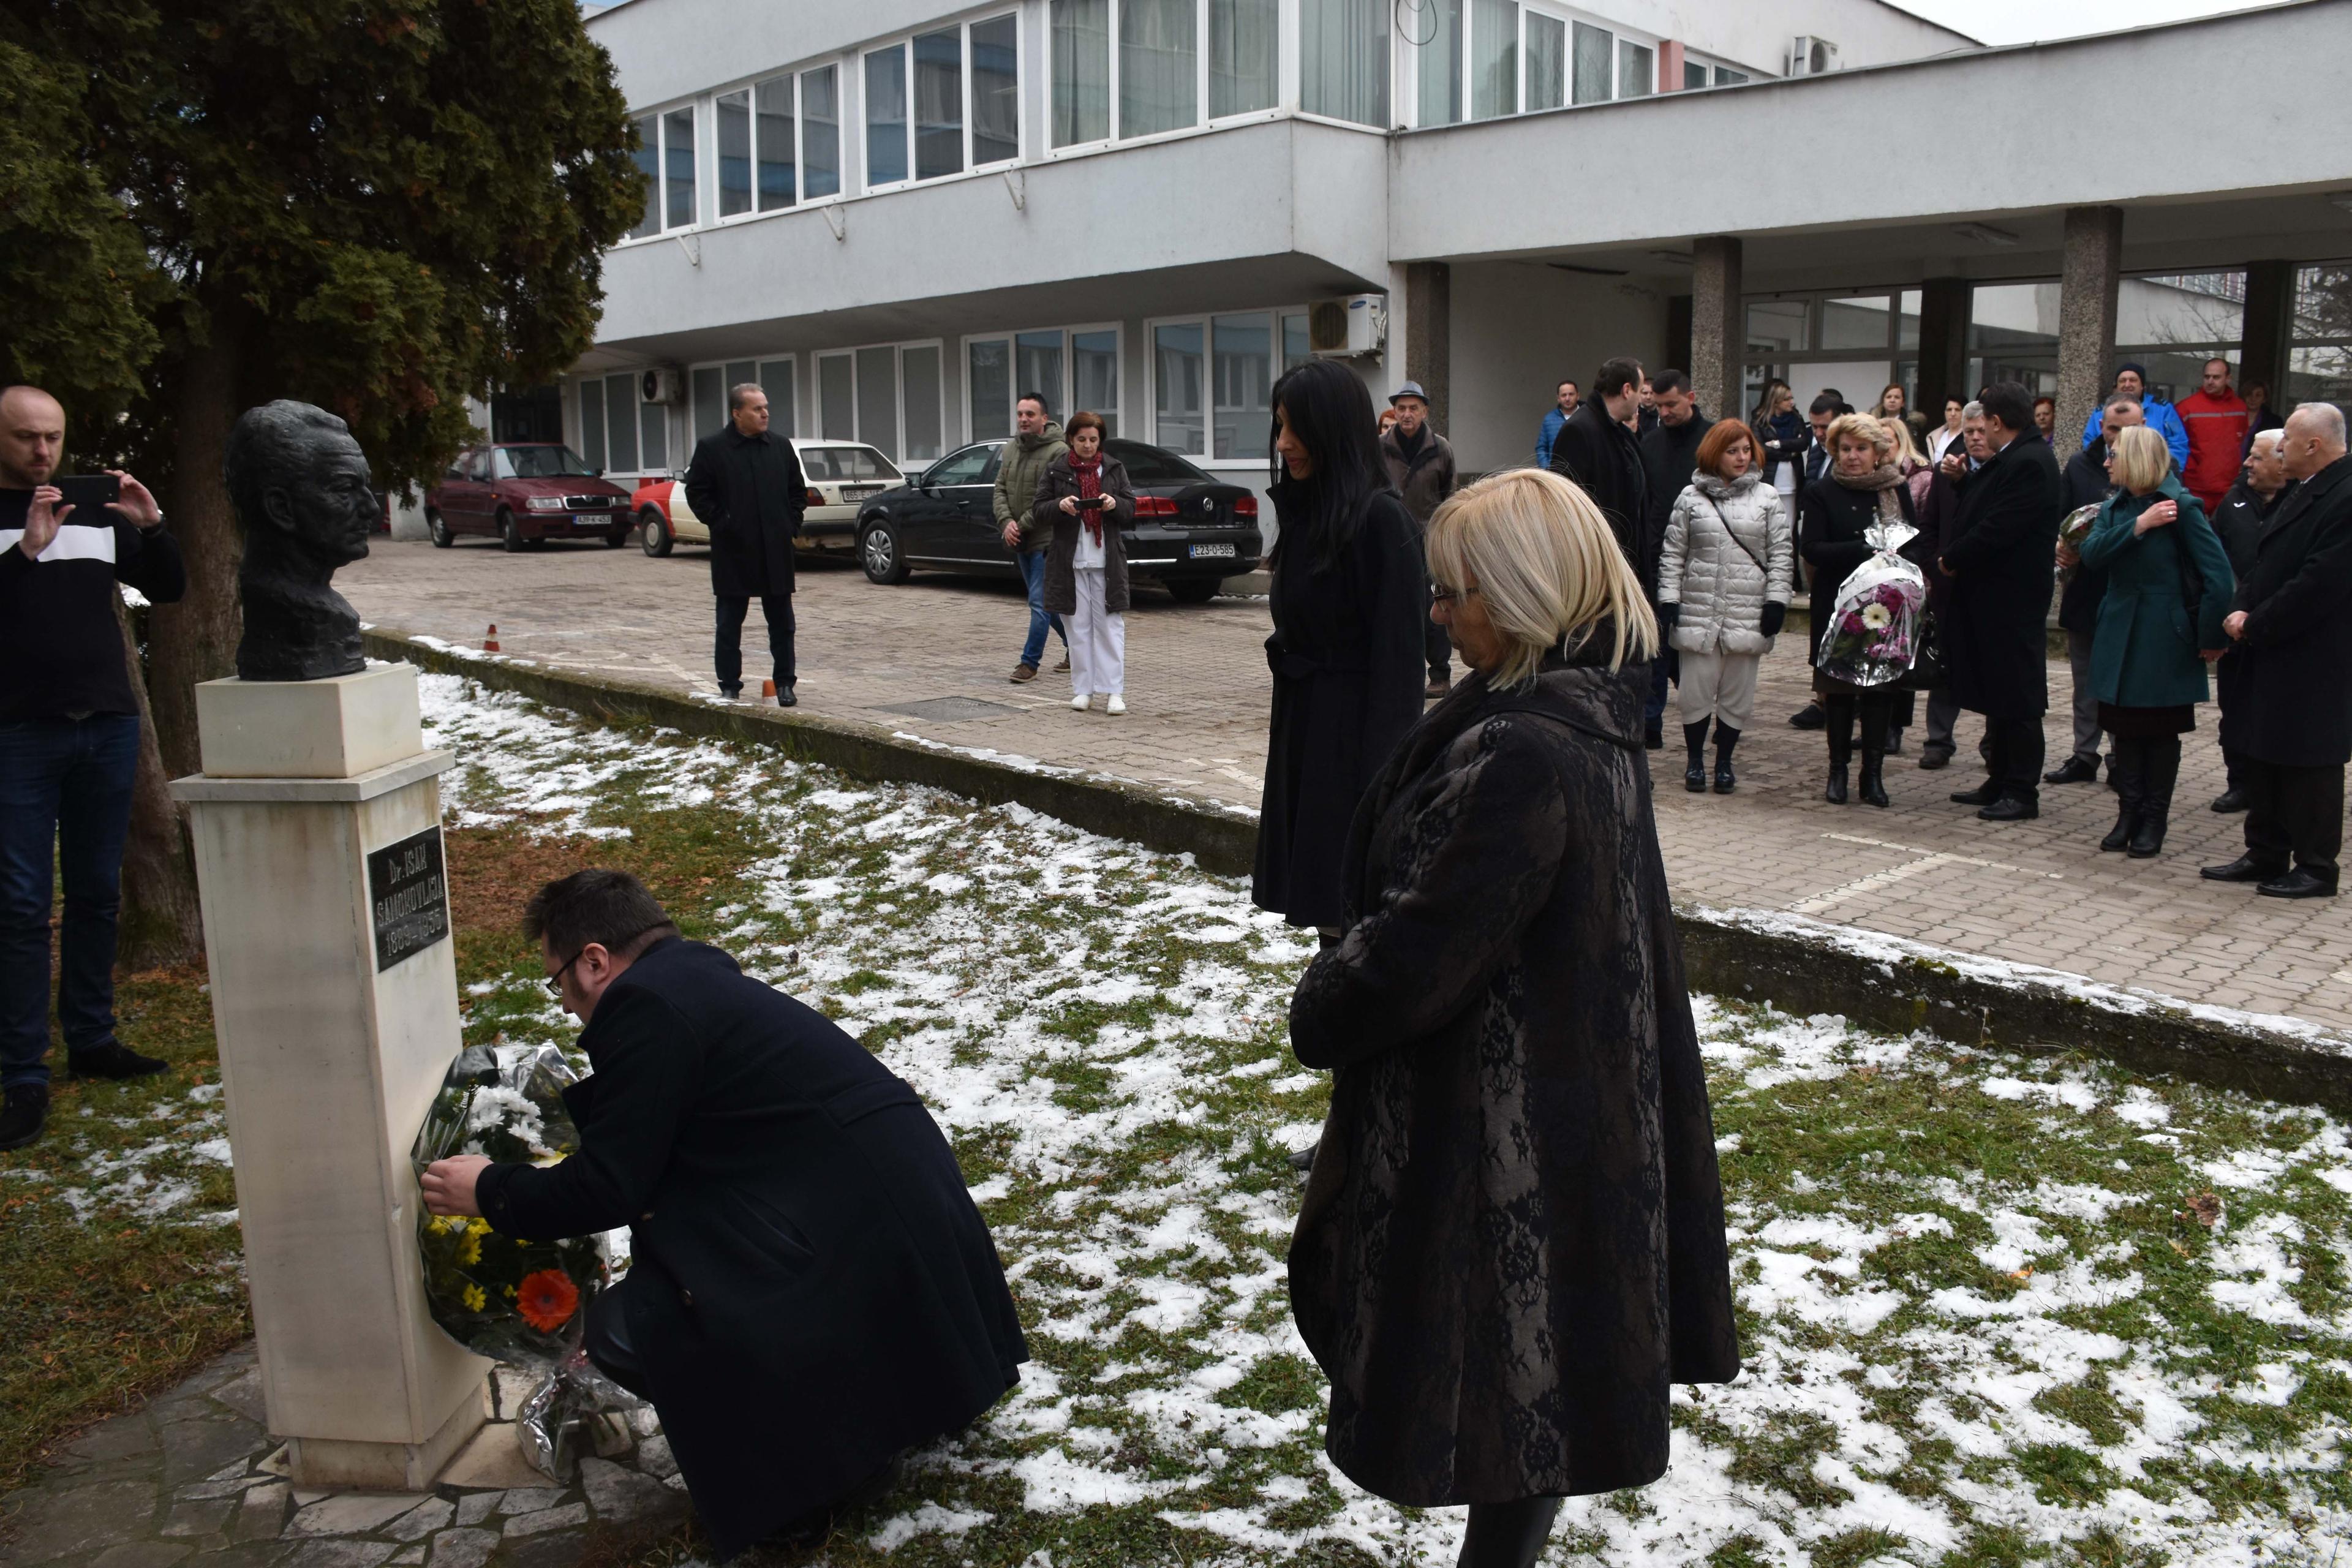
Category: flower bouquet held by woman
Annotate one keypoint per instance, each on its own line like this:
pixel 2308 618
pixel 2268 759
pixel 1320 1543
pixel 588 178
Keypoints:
pixel 2073 530
pixel 1872 633
pixel 522 1303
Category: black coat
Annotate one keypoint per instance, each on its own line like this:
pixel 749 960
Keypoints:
pixel 1513 1239
pixel 2286 683
pixel 2084 482
pixel 1604 458
pixel 1349 676
pixel 811 1289
pixel 750 491
pixel 2004 544
pixel 1061 532
pixel 1939 511
pixel 1831 523
pixel 2242 519
pixel 1669 458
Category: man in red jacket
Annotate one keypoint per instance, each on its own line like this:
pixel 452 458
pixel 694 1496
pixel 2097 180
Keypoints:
pixel 2216 420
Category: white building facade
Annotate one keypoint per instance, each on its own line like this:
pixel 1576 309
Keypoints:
pixel 899 216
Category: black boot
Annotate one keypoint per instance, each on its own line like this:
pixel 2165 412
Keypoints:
pixel 1694 739
pixel 28 1107
pixel 2124 768
pixel 2159 771
pixel 1838 717
pixel 1508 1534
pixel 1874 760
pixel 1725 738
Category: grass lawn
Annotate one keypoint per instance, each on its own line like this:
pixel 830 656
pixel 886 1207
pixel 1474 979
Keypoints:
pixel 1995 1310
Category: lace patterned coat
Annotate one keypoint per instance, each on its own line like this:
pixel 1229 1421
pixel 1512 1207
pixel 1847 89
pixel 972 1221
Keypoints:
pixel 1512 1241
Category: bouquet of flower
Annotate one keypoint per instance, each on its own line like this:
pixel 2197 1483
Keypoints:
pixel 1873 632
pixel 520 1302
pixel 2074 528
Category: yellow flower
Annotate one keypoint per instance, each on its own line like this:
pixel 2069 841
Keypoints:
pixel 471 1253
pixel 510 1292
pixel 473 1299
pixel 478 1225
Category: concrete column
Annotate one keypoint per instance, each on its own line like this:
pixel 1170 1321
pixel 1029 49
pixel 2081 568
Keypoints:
pixel 1943 345
pixel 1718 330
pixel 2088 278
pixel 2264 352
pixel 1429 336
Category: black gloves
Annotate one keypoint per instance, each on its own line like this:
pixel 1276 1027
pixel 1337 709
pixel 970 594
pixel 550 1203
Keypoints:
pixel 1668 613
pixel 1774 614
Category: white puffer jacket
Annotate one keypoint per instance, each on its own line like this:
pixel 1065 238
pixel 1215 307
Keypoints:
pixel 1730 549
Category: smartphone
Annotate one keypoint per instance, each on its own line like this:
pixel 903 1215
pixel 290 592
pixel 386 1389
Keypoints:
pixel 89 495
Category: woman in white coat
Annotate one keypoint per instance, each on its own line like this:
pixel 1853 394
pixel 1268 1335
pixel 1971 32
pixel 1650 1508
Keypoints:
pixel 1724 582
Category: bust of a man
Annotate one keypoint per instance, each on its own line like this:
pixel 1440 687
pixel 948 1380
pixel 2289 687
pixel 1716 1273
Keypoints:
pixel 305 502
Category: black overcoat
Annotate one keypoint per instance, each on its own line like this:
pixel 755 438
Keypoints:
pixel 2002 552
pixel 2286 683
pixel 1061 531
pixel 1604 459
pixel 1513 1237
pixel 1831 521
pixel 811 1288
pixel 2083 482
pixel 1349 676
pixel 2242 519
pixel 750 491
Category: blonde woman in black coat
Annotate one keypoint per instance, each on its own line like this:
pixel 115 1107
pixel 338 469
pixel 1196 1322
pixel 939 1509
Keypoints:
pixel 1512 1241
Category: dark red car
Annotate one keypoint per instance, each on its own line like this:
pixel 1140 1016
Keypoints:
pixel 526 493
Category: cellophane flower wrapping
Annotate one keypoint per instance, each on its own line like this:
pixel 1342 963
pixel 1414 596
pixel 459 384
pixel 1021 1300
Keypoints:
pixel 2074 528
pixel 1874 627
pixel 520 1303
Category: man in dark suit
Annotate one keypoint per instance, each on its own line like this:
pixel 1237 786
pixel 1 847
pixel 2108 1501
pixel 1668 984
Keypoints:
pixel 2286 715
pixel 1998 559
pixel 745 483
pixel 811 1289
pixel 1604 457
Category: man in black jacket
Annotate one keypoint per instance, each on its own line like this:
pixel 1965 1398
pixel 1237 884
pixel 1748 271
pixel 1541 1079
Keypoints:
pixel 1597 451
pixel 2289 716
pixel 2242 519
pixel 811 1289
pixel 1824 410
pixel 69 752
pixel 2084 481
pixel 1998 561
pixel 1669 457
pixel 746 484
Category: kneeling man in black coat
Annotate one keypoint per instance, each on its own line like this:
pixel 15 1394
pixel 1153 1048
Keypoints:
pixel 810 1288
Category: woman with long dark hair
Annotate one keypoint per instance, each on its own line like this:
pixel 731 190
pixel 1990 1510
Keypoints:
pixel 1347 654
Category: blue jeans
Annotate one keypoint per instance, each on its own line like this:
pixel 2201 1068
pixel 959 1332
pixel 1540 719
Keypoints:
pixel 64 783
pixel 1032 577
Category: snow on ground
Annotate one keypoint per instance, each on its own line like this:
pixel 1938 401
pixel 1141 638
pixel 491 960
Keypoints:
pixel 1993 1305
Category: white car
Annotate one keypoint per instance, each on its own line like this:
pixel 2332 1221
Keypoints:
pixel 840 475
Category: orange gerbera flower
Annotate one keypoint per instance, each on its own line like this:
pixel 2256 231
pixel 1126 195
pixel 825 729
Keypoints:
pixel 546 1300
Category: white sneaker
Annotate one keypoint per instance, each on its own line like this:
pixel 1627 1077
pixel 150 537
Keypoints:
pixel 1078 703
pixel 1116 704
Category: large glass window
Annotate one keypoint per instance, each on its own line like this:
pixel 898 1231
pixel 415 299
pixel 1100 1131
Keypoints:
pixel 1094 376
pixel 775 379
pixel 708 386
pixel 995 91
pixel 1159 65
pixel 1854 324
pixel 677 167
pixel 773 133
pixel 1343 59
pixel 1243 55
pixel 1494 58
pixel 1776 328
pixel 1298 345
pixel 648 161
pixel 1240 357
pixel 2319 365
pixel 821 133
pixel 1591 79
pixel 1636 70
pixel 942 102
pixel 919 375
pixel 836 406
pixel 734 153
pixel 1081 41
pixel 591 422
pixel 877 398
pixel 1546 61
pixel 1178 378
pixel 988 381
pixel 1071 369
pixel 653 436
pixel 1037 367
pixel 886 116
pixel 621 421
pixel 938 104
pixel 1440 65
pixel 888 395
pixel 1243 348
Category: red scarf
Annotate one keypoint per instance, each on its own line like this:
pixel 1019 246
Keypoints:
pixel 1089 472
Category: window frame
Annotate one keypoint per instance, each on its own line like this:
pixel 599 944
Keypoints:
pixel 790 360
pixel 658 118
pixel 1210 460
pixel 904 43
pixel 1009 337
pixel 892 446
pixel 1286 89
pixel 1568 18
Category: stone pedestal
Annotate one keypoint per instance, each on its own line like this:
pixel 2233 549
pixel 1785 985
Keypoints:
pixel 316 831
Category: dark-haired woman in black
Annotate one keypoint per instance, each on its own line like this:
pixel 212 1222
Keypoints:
pixel 1346 646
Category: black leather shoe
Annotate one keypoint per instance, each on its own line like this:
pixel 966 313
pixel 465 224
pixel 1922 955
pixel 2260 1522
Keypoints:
pixel 2009 808
pixel 112 1059
pixel 787 698
pixel 2244 869
pixel 1983 795
pixel 1695 778
pixel 20 1120
pixel 2298 884
pixel 1304 1159
pixel 1654 737
pixel 730 692
pixel 1809 716
pixel 1935 757
pixel 2230 802
pixel 2073 770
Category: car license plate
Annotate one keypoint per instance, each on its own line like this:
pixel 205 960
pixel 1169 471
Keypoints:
pixel 1209 552
pixel 852 492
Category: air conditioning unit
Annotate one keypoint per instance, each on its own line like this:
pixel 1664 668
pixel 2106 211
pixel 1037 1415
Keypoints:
pixel 1809 56
pixel 664 387
pixel 1348 328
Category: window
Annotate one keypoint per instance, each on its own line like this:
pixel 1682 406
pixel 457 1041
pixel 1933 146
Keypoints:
pixel 778 161
pixel 708 387
pixel 1159 66
pixel 1296 344
pixel 820 133
pixel 1494 58
pixel 1072 368
pixel 1546 61
pixel 1243 350
pixel 969 467
pixel 1081 30
pixel 1170 64
pixel 1693 75
pixel 1094 376
pixel 713 384
pixel 1242 54
pixel 1725 75
pixel 592 421
pixel 1856 343
pixel 988 380
pixel 734 110
pixel 957 106
pixel 1343 59
pixel 653 436
pixel 1177 375
pixel 1591 79
pixel 887 395
pixel 919 376
pixel 1635 75
pixel 1439 63
pixel 621 421
pixel 2319 358
pixel 836 381
pixel 665 155
pixel 1238 356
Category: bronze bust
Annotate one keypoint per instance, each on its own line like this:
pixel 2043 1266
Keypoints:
pixel 305 503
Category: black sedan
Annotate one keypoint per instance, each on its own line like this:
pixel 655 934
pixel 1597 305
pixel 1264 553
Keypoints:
pixel 1191 531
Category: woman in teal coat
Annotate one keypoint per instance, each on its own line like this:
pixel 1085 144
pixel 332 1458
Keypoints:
pixel 2168 587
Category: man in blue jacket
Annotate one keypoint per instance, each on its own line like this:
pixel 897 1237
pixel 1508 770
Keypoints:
pixel 1561 413
pixel 2131 381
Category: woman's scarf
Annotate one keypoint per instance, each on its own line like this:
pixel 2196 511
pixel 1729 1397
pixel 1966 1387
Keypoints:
pixel 1884 480
pixel 1089 472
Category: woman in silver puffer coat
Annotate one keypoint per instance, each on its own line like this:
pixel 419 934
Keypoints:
pixel 1723 590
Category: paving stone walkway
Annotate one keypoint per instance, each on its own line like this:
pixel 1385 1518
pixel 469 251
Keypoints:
pixel 194 1480
pixel 930 657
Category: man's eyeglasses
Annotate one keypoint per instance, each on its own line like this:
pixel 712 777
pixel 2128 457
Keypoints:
pixel 554 983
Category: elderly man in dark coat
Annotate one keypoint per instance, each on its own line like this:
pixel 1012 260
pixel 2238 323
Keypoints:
pixel 1997 560
pixel 811 1289
pixel 2286 713
pixel 746 484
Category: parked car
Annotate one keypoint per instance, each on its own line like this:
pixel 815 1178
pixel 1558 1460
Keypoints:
pixel 841 475
pixel 1191 531
pixel 525 493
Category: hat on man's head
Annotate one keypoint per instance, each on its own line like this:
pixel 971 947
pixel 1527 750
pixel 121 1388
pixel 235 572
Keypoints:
pixel 2139 370
pixel 1410 389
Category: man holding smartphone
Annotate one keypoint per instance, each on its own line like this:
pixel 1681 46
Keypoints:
pixel 68 747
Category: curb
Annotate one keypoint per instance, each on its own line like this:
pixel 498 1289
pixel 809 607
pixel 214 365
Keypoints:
pixel 1803 967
